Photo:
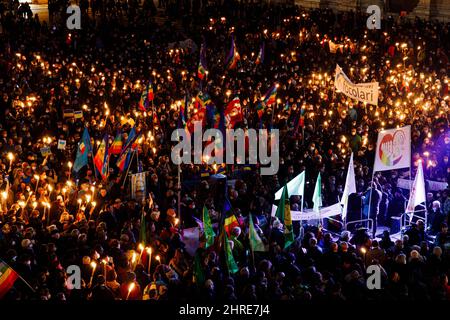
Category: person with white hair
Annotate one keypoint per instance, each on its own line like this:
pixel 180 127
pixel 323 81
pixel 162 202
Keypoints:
pixel 277 234
pixel 435 217
pixel 238 248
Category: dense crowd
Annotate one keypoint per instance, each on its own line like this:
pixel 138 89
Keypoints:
pixel 53 217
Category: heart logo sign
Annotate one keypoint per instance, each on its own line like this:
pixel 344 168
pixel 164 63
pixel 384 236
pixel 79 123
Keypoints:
pixel 392 148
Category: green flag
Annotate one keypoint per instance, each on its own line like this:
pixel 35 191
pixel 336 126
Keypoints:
pixel 317 196
pixel 231 263
pixel 284 215
pixel 208 231
pixel 198 273
pixel 142 232
pixel 256 244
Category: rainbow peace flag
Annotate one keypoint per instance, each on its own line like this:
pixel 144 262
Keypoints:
pixel 202 69
pixel 183 112
pixel 271 95
pixel 146 96
pixel 268 99
pixel 123 160
pixel 143 102
pixel 116 146
pixel 233 56
pixel 213 115
pixel 150 94
pixel 7 278
pixel 101 158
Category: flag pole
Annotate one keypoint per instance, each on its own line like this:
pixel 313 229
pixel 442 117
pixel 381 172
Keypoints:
pixel 137 160
pixel 410 189
pixel 370 200
pixel 93 164
pixel 128 169
pixel 250 243
pixel 179 170
pixel 20 277
pixel 301 221
pixel 179 197
pixel 253 257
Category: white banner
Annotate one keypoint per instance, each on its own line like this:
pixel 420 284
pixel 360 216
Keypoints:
pixel 432 185
pixel 309 214
pixel 393 149
pixel 191 238
pixel 363 92
pixel 138 186
pixel 61 144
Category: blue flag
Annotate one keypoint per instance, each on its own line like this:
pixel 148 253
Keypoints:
pixel 84 147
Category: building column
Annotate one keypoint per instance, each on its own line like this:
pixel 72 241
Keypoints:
pixel 422 10
pixel 440 10
pixel 308 3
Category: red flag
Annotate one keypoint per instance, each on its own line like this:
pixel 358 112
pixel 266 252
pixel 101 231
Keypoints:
pixel 233 113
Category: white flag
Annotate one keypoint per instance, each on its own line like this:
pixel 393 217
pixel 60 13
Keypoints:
pixel 417 194
pixel 350 186
pixel 393 149
pixel 295 187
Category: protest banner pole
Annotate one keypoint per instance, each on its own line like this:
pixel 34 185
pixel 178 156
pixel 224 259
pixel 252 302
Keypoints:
pixel 370 198
pixel 301 221
pixel 128 169
pixel 93 164
pixel 253 256
pixel 137 159
pixel 410 186
pixel 179 197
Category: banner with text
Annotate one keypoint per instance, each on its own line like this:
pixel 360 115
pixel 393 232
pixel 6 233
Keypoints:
pixel 138 186
pixel 432 185
pixel 309 214
pixel 363 92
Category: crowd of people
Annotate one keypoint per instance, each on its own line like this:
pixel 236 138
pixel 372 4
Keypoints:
pixel 53 217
